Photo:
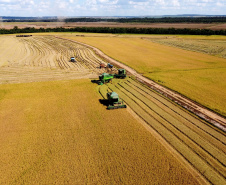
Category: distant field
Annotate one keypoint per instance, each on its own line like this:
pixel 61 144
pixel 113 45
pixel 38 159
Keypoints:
pixel 59 133
pixel 198 76
pixel 208 46
pixel 212 26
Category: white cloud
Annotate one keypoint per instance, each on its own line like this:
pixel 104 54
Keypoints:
pixel 110 7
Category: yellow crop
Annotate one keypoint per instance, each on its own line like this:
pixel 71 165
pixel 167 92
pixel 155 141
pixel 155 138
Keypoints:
pixel 59 133
pixel 198 76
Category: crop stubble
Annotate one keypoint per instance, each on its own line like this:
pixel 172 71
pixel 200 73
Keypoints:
pixel 41 58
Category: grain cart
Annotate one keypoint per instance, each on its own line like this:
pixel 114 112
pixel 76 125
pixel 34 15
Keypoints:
pixel 121 73
pixel 110 66
pixel 102 65
pixel 114 102
pixel 105 77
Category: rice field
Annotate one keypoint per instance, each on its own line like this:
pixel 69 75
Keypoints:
pixel 198 142
pixel 39 58
pixel 198 76
pixel 58 133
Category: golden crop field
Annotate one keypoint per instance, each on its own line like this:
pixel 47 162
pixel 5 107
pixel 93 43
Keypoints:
pixel 199 76
pixel 198 142
pixel 216 47
pixel 58 133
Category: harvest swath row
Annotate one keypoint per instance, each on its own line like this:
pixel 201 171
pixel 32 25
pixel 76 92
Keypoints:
pixel 198 142
pixel 43 48
pixel 43 58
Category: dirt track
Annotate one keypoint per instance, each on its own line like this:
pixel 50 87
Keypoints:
pixel 193 107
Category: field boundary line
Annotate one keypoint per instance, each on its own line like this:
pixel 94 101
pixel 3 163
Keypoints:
pixel 192 106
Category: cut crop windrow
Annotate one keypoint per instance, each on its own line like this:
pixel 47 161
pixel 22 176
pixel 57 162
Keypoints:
pixel 171 109
pixel 178 144
pixel 202 147
pixel 219 135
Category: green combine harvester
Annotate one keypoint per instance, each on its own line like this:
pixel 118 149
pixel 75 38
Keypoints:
pixel 105 77
pixel 114 101
pixel 121 73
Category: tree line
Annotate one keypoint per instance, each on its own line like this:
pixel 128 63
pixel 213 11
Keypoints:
pixel 184 31
pixel 217 19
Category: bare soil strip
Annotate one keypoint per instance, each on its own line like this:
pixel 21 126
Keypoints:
pixel 188 104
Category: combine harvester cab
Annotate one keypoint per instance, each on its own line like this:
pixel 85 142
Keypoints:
pixel 121 73
pixel 105 77
pixel 114 101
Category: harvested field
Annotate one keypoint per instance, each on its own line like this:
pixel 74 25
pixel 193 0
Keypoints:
pixel 202 145
pixel 170 66
pixel 212 26
pixel 216 47
pixel 59 133
pixel 39 58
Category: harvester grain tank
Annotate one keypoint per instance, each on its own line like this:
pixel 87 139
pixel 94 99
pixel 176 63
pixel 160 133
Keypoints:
pixel 114 102
pixel 121 73
pixel 105 77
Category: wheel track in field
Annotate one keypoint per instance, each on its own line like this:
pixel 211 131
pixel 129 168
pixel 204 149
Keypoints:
pixel 204 151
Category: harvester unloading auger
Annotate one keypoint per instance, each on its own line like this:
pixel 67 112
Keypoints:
pixel 114 102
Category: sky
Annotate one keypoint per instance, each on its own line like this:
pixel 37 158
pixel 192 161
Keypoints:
pixel 110 7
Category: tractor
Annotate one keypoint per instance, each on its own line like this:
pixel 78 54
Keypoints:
pixel 121 73
pixel 105 77
pixel 114 102
pixel 72 59
pixel 110 66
